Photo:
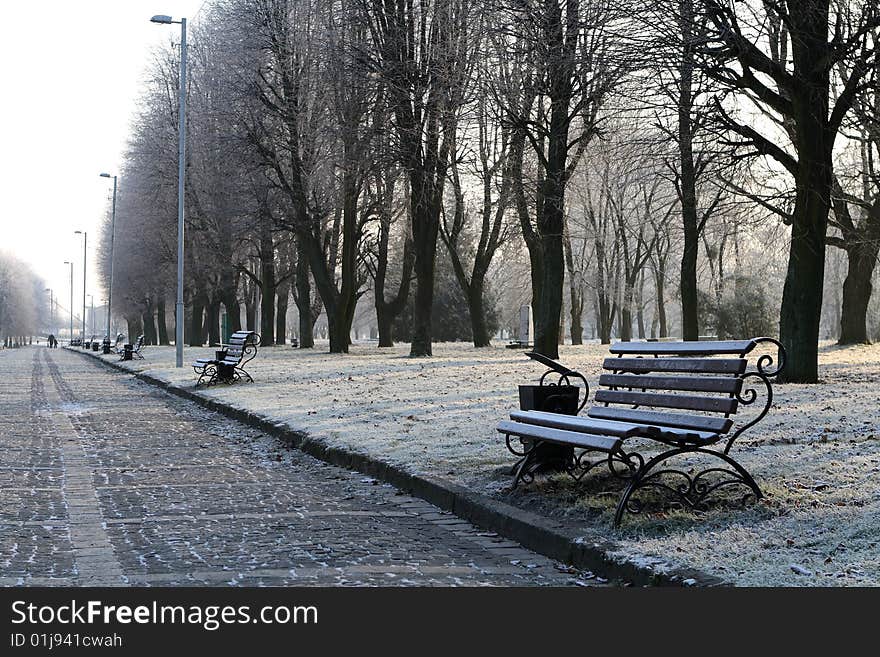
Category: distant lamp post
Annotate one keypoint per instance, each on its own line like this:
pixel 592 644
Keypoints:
pixel 70 262
pixel 85 244
pixel 181 165
pixel 112 239
pixel 92 312
pixel 51 310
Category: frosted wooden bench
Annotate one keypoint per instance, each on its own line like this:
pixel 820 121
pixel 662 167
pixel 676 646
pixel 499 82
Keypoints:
pixel 228 365
pixel 685 395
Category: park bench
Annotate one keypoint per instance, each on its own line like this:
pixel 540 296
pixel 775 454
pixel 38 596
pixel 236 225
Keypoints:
pixel 129 351
pixel 684 396
pixel 227 366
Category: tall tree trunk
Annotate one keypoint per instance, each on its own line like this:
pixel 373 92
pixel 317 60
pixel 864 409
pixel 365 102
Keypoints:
pixel 149 325
pixel 303 300
pixel 426 223
pixel 857 288
pixel 135 327
pixel 212 321
pixel 250 307
pixel 281 316
pixel 625 322
pixel 267 283
pixel 660 286
pixel 801 309
pixel 687 191
pixel 575 292
pixel 551 222
pixel 196 338
pixel 161 321
pixel 229 296
pixel 388 309
pixel 640 305
pixel 477 310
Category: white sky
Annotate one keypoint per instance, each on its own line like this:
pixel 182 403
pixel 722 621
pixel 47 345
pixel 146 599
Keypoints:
pixel 71 74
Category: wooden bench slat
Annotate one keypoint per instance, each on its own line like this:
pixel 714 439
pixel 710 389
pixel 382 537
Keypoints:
pixel 611 427
pixel 689 365
pixel 654 382
pixel 659 418
pixel 686 402
pixel 703 348
pixel 576 423
pixel 576 439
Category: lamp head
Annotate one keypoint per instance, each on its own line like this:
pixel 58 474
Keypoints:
pixel 105 175
pixel 161 18
pixel 77 232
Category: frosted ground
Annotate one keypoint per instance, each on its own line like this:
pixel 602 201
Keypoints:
pixel 816 456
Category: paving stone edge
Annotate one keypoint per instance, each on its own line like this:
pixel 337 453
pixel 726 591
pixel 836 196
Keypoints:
pixel 532 530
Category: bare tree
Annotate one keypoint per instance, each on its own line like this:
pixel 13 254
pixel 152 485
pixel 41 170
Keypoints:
pixel 419 52
pixel 477 233
pixel 779 56
pixel 557 71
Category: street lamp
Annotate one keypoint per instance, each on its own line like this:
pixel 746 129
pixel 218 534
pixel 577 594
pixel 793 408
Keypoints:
pixel 66 262
pixel 181 165
pixel 92 312
pixel 85 243
pixel 112 238
pixel 51 310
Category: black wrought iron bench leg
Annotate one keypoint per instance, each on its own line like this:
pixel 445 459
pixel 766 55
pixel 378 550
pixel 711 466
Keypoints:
pixel 207 375
pixel 693 489
pixel 523 470
pixel 242 374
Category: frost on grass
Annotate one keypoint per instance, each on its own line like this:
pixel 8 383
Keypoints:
pixel 816 456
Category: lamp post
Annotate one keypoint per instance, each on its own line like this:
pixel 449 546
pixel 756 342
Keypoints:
pixel 112 238
pixel 181 166
pixel 92 312
pixel 51 310
pixel 70 337
pixel 85 243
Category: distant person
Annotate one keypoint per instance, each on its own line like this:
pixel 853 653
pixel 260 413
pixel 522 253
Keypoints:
pixel 52 341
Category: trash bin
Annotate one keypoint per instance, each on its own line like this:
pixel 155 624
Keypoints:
pixel 127 351
pixel 554 394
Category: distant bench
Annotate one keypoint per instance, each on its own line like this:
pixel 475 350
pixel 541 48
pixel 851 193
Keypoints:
pixel 132 351
pixel 645 388
pixel 228 364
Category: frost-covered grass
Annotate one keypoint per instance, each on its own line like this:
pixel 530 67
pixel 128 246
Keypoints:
pixel 816 456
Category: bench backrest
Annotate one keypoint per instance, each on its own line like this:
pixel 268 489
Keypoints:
pixel 686 385
pixel 241 344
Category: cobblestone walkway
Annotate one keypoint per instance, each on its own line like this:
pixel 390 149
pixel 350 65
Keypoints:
pixel 109 481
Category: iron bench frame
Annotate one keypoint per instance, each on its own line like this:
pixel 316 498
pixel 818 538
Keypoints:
pixel 607 435
pixel 223 370
pixel 135 349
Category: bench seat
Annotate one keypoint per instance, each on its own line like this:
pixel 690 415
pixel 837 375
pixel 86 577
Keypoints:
pixel 655 430
pixel 576 439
